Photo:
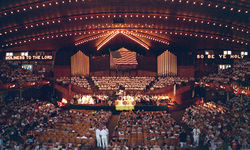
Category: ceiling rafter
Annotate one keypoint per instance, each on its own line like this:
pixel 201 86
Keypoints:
pixel 148 28
pixel 196 34
pixel 73 18
pixel 204 4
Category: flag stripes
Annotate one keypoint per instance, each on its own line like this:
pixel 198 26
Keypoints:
pixel 127 58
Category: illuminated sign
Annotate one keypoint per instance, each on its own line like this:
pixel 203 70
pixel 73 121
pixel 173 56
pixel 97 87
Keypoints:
pixel 201 56
pixel 44 57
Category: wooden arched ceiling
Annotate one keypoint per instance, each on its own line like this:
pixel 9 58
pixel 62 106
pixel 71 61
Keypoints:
pixel 52 24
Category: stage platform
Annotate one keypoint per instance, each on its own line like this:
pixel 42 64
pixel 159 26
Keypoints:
pixel 112 108
pixel 169 108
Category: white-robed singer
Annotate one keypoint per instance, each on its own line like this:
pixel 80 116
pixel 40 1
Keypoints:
pixel 104 135
pixel 98 137
pixel 196 135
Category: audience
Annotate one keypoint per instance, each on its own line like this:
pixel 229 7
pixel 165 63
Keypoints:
pixel 146 130
pixel 222 126
pixel 237 73
pixel 73 128
pixel 40 125
pixel 20 120
pixel 16 74
pixel 37 124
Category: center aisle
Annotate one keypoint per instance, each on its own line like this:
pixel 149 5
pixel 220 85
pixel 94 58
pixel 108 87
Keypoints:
pixel 177 115
pixel 113 123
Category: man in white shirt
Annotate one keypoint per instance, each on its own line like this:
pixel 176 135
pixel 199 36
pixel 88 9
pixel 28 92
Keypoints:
pixel 196 134
pixel 104 134
pixel 98 136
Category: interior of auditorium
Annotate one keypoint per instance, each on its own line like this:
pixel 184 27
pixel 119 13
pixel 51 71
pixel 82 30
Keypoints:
pixel 124 75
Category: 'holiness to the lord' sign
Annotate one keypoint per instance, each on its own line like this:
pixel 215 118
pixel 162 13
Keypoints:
pixel 34 57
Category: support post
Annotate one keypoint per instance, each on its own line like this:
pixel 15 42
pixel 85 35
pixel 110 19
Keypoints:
pixel 227 96
pixel 193 93
pixel 174 89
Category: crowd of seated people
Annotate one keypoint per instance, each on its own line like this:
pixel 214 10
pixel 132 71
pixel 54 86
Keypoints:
pixel 40 125
pixel 169 80
pixel 146 130
pixel 238 104
pixel 73 129
pixel 16 74
pixel 129 83
pixel 80 81
pixel 19 120
pixel 222 126
pixel 239 71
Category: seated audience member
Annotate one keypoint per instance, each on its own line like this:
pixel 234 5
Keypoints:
pixel 222 125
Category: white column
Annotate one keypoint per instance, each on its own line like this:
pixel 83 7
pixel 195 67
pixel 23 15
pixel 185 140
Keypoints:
pixel 193 93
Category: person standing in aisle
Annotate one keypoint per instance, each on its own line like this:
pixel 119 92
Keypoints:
pixel 98 136
pixel 104 135
pixel 196 135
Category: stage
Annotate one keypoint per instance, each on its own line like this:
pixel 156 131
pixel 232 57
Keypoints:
pixel 169 108
pixel 83 102
pixel 112 108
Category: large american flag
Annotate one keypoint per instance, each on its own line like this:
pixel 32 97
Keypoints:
pixel 124 57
